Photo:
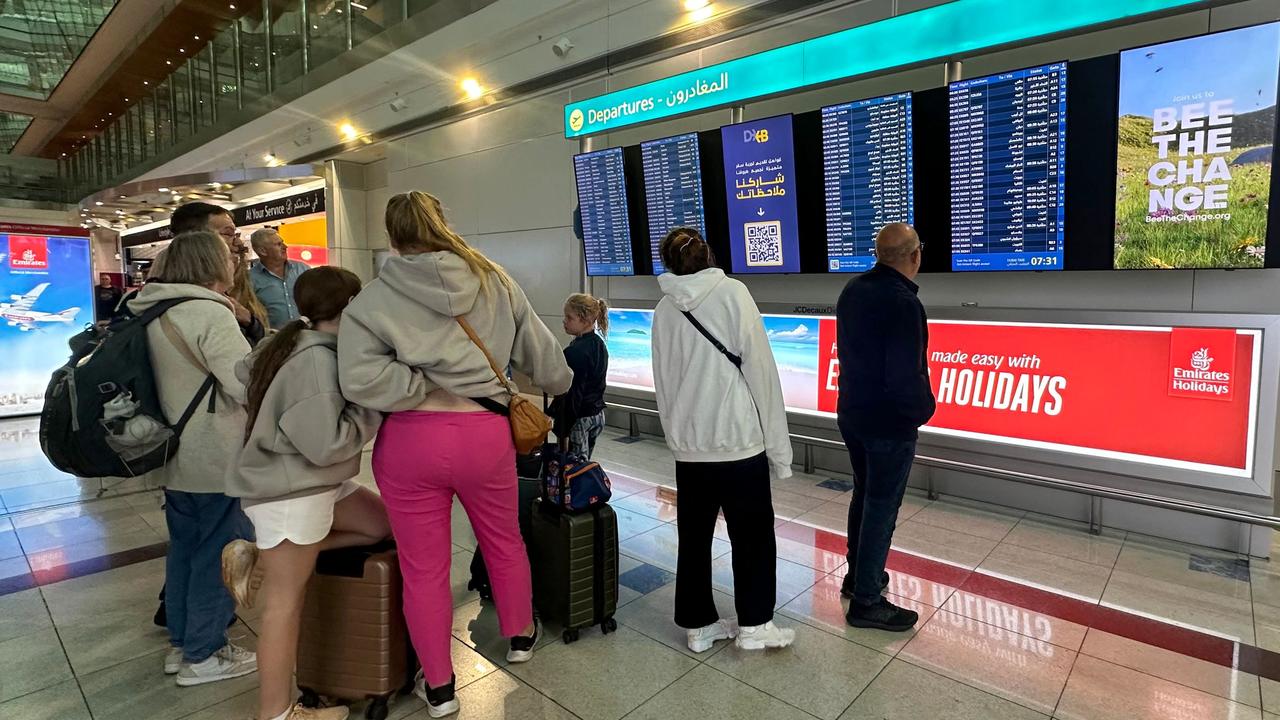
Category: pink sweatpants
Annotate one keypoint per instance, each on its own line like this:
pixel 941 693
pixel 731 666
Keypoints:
pixel 420 461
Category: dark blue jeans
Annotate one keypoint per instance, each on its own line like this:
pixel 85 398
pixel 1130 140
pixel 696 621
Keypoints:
pixel 880 471
pixel 198 606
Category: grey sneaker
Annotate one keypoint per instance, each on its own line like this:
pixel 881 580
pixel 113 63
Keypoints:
pixel 173 661
pixel 441 701
pixel 228 663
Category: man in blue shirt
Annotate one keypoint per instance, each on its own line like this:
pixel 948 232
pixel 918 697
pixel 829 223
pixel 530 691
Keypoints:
pixel 273 276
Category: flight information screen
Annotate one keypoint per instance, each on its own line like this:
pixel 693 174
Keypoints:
pixel 602 198
pixel 867 176
pixel 672 189
pixel 1008 170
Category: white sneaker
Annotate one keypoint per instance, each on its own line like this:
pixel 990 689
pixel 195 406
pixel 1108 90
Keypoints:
pixel 173 661
pixel 229 662
pixel 701 639
pixel 441 701
pixel 764 636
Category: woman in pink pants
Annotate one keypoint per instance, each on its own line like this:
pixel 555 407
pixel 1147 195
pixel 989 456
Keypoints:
pixel 401 350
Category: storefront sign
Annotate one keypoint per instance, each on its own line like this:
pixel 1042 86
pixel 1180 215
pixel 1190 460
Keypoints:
pixel 1176 397
pixel 307 203
pixel 948 30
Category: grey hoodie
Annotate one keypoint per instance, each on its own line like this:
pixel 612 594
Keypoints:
pixel 399 340
pixel 306 438
pixel 209 329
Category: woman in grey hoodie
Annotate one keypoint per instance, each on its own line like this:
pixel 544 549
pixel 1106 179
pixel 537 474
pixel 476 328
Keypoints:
pixel 302 447
pixel 403 350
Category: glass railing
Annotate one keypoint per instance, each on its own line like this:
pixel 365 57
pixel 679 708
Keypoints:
pixel 272 44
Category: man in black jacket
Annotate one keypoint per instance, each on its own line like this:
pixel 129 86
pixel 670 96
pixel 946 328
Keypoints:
pixel 885 396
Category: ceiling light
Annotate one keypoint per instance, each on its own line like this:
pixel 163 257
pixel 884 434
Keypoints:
pixel 168 62
pixel 358 6
pixel 269 159
pixel 164 189
pixel 233 7
pixel 124 197
pixel 197 37
pixel 472 88
pixel 126 99
pixel 182 50
pixel 703 13
pixel 692 5
pixel 64 154
pixel 98 203
pixel 119 212
pixel 146 82
pixel 348 131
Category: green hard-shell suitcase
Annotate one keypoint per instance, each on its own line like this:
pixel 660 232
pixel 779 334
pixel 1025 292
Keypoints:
pixel 575 567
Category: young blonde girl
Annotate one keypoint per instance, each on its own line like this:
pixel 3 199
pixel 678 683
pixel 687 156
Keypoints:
pixel 294 476
pixel 579 413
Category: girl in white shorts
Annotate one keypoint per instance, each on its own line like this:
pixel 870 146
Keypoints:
pixel 294 478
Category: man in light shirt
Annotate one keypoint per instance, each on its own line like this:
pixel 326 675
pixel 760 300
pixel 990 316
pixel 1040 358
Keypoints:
pixel 273 276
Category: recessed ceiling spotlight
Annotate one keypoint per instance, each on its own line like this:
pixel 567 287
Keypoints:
pixel 233 7
pixel 124 197
pixel 98 203
pixel 182 50
pixel 163 189
pixel 168 62
pixel 348 131
pixel 146 82
pixel 64 154
pixel 197 37
pixel 472 88
pixel 126 99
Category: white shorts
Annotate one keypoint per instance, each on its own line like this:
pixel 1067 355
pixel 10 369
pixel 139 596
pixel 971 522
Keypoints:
pixel 302 520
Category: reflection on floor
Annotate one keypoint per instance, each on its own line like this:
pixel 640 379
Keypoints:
pixel 1021 616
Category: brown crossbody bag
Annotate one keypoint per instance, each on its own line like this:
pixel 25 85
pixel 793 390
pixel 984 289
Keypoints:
pixel 529 424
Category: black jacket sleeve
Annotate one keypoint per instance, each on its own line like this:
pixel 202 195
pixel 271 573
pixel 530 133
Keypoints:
pixel 253 332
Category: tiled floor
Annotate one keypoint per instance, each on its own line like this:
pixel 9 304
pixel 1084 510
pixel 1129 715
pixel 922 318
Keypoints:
pixel 1021 616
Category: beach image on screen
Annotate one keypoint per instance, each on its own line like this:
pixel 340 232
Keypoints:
pixel 1195 144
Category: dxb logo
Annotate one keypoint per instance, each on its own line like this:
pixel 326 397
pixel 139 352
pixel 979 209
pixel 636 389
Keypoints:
pixel 755 136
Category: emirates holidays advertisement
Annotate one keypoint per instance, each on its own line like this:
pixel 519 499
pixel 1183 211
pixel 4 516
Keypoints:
pixel 1175 397
pixel 46 296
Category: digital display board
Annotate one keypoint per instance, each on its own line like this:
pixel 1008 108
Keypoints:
pixel 1008 169
pixel 1182 398
pixel 1195 141
pixel 672 189
pixel 602 200
pixel 867 176
pixel 46 297
pixel 759 172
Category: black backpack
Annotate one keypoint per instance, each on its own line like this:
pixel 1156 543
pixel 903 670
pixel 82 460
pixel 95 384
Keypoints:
pixel 102 414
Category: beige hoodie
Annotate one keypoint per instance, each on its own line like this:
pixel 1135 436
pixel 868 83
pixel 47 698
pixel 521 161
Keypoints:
pixel 209 329
pixel 399 340
pixel 306 438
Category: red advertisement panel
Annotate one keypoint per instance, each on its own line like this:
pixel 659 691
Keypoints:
pixel 828 366
pixel 313 256
pixel 1101 388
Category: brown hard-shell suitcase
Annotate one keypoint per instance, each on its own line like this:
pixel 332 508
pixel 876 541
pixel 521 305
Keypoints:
pixel 354 643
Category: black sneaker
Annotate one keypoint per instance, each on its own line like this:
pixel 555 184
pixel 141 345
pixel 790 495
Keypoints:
pixel 884 615
pixel 522 646
pixel 846 587
pixel 484 589
pixel 440 701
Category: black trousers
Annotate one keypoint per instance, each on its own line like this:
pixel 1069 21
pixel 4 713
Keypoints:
pixel 741 489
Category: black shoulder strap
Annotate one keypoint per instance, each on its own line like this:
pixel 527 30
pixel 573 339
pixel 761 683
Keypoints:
pixel 735 359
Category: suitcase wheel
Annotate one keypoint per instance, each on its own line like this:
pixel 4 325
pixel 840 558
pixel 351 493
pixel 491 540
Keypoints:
pixel 309 698
pixel 570 636
pixel 377 709
pixel 608 626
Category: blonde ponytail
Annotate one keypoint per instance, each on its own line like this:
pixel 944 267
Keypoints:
pixel 416 224
pixel 590 308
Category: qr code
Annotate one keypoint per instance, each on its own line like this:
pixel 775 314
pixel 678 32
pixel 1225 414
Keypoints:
pixel 764 243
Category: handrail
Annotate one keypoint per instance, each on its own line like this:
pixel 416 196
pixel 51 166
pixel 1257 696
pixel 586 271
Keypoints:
pixel 1095 492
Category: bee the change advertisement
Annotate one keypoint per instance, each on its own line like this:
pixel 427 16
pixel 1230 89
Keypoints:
pixel 1181 398
pixel 1196 139
pixel 46 296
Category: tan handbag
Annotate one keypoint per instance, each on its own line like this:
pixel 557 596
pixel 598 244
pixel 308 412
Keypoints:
pixel 529 424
